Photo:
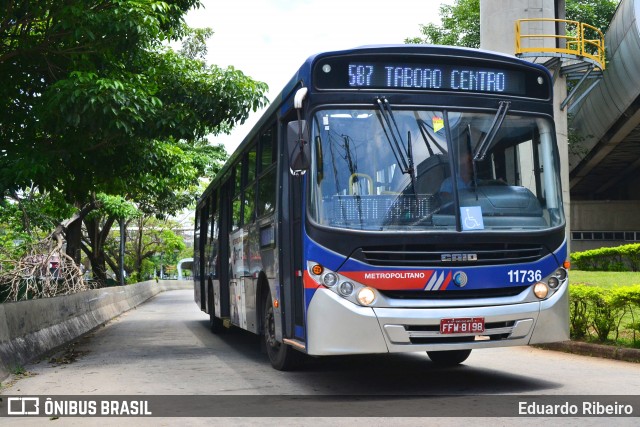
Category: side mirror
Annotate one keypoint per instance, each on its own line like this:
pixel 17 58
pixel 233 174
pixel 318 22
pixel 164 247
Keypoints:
pixel 298 145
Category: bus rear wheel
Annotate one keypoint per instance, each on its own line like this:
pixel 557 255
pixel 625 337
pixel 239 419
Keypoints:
pixel 448 357
pixel 281 356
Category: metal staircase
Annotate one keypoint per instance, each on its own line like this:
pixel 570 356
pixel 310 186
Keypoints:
pixel 571 49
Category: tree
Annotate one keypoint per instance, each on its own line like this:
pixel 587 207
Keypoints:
pixel 460 22
pixel 95 102
pixel 30 214
pixel 150 242
pixel 194 44
pixel 88 81
pixel 98 225
pixel 155 195
pixel 460 26
pixel 597 13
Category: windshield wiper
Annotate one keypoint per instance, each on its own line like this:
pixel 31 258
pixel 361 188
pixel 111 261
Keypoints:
pixel 473 163
pixel 404 156
pixel 427 137
pixel 412 169
pixel 484 145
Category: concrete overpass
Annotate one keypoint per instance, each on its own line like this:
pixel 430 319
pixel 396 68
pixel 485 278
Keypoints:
pixel 604 163
pixel 600 178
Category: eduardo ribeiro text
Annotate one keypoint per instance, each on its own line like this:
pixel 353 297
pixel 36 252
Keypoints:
pixel 566 408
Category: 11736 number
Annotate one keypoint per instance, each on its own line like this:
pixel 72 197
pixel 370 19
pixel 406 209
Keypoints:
pixel 524 276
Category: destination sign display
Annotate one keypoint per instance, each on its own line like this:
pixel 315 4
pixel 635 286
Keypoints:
pixel 446 74
pixel 460 78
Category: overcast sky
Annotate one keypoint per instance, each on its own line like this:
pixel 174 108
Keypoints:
pixel 269 39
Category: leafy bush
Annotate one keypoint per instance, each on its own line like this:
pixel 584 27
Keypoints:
pixel 598 313
pixel 605 315
pixel 133 278
pixel 578 306
pixel 618 258
pixel 629 298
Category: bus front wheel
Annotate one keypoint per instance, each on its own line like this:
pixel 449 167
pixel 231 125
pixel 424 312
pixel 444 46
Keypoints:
pixel 281 356
pixel 448 357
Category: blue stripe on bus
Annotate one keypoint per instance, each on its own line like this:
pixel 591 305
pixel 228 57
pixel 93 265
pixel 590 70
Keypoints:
pixel 478 277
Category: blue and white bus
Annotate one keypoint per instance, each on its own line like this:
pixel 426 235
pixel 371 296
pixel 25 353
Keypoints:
pixel 392 199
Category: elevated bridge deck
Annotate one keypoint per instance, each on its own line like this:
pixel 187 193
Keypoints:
pixel 605 161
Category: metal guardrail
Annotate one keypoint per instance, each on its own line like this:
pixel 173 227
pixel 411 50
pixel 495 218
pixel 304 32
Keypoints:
pixel 581 40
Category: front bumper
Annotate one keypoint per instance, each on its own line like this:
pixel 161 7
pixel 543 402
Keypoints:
pixel 336 326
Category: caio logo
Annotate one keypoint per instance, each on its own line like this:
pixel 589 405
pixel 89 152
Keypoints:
pixel 458 257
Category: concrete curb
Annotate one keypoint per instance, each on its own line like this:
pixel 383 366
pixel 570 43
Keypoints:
pixel 595 350
pixel 29 329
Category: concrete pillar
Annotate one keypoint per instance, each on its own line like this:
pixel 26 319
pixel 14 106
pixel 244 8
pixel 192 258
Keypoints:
pixel 497 33
pixel 498 21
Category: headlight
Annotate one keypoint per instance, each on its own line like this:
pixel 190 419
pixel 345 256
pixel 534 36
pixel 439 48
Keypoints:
pixel 344 286
pixel 366 296
pixel 345 289
pixel 546 287
pixel 561 274
pixel 541 290
pixel 330 279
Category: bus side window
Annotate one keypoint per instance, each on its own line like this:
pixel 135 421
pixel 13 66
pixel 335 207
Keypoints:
pixel 236 214
pixel 249 204
pixel 268 149
pixel 267 193
pixel 213 238
pixel 266 188
pixel 249 182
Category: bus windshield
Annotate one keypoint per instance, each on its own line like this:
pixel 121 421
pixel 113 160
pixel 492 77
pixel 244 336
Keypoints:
pixel 403 170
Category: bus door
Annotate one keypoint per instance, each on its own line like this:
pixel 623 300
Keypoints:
pixel 291 251
pixel 296 254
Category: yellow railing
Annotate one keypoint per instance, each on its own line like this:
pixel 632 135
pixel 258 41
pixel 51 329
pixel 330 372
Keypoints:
pixel 580 39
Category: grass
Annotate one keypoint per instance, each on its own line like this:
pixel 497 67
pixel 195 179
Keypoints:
pixel 18 370
pixel 604 279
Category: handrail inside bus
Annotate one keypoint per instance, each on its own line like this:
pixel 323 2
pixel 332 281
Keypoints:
pixel 355 183
pixel 581 40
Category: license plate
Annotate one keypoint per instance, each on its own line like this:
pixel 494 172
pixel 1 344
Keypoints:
pixel 467 325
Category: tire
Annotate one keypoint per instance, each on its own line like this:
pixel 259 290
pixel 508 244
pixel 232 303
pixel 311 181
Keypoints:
pixel 282 356
pixel 215 323
pixel 449 357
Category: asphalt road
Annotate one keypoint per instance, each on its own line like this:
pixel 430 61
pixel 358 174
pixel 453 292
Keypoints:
pixel 164 347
